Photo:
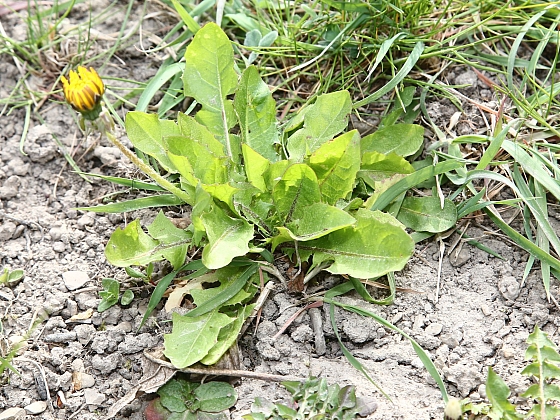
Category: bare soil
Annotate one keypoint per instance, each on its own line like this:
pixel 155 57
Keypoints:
pixel 89 361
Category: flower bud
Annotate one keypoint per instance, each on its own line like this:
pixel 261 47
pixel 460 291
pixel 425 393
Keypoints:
pixel 84 91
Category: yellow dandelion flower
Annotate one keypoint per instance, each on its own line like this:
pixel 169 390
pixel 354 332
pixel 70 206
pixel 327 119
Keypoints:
pixel 84 91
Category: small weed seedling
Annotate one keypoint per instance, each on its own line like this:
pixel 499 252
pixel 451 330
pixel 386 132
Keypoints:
pixel 542 397
pixel 313 399
pixel 180 399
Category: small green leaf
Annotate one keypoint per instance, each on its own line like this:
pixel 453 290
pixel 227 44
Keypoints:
pixel 424 214
pixel 130 246
pixel 336 164
pixel 256 110
pixel 227 237
pixel 109 295
pixel 402 139
pixel 192 337
pixel 323 120
pixel 127 297
pixel 215 396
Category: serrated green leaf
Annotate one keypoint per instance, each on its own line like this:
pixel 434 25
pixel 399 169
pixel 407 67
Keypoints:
pixel 551 392
pixel 551 412
pixel 336 164
pixel 209 77
pixel 255 166
pixel 424 214
pixel 402 139
pixel 549 370
pixel 498 394
pixel 256 110
pixel 228 336
pixel 167 233
pixel 193 337
pixel 215 396
pixel 228 237
pixel 323 120
pixel 222 192
pixel 319 219
pixel 296 189
pixel 110 294
pixel 540 340
pixel 146 133
pixel 375 245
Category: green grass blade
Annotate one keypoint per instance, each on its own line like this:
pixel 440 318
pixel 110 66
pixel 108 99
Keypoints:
pixel 385 47
pixel 162 200
pixel 401 74
pixel 164 283
pixel 523 242
pixel 185 17
pixel 225 294
pixel 412 180
pixel 428 364
pixel 515 47
pixel 131 183
pixel 164 74
pixel 495 146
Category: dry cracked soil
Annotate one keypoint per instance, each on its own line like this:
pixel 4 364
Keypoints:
pixel 79 363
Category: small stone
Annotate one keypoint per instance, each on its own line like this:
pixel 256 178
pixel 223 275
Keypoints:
pixel 419 321
pixel 84 333
pixel 509 287
pixel 88 380
pixel 302 334
pixel 86 220
pixel 135 344
pixel 74 279
pixel 59 247
pixel 450 340
pixel 458 259
pixel 93 397
pixel 508 353
pixel 14 413
pixel 61 337
pixel 434 329
pixel 36 407
pixel 7 230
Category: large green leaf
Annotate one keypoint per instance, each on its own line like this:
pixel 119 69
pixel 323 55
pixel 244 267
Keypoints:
pixel 375 245
pixel 336 163
pixel 296 189
pixel 256 110
pixel 323 120
pixel 227 237
pixel 318 219
pixel 402 139
pixel 424 214
pixel 209 77
pixel 192 337
pixel 146 133
pixel 131 246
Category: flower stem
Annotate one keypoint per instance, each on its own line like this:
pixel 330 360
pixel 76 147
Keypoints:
pixel 148 170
